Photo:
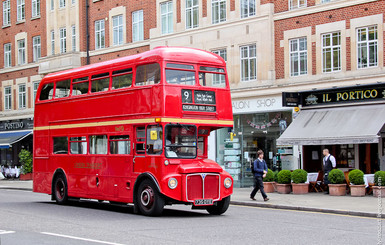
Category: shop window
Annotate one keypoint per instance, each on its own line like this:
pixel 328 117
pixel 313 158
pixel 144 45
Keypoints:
pixel 60 145
pixel 120 144
pixel 147 74
pixel 63 89
pixel 122 78
pixel 98 144
pixel 154 140
pixel 78 145
pixel 46 92
pixel 100 82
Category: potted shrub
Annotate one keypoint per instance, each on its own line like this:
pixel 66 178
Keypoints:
pixel 268 181
pixel 26 165
pixel 337 186
pixel 284 180
pixel 378 188
pixel 357 187
pixel 299 177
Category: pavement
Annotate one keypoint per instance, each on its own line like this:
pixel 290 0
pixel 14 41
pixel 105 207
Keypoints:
pixel 314 202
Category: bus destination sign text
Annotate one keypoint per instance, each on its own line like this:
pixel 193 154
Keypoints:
pixel 203 100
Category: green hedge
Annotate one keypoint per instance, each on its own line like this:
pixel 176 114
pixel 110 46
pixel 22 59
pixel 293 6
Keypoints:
pixel 376 177
pixel 336 176
pixel 299 176
pixel 276 176
pixel 356 177
pixel 284 177
pixel 26 161
pixel 269 176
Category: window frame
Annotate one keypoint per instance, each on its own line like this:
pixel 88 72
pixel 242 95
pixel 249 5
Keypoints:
pixel 78 141
pixel 367 44
pixel 53 145
pixel 7 55
pixel 90 150
pixel 8 98
pixel 62 4
pixel 249 59
pixel 63 40
pixel 118 30
pixel 36 8
pixel 216 11
pixel 121 72
pixel 22 95
pixel 52 42
pixel 100 35
pixel 36 48
pixel 191 10
pixel 35 88
pixel 73 32
pixel 167 16
pixel 21 54
pixel 20 10
pixel 332 48
pixel 7 13
pixel 297 5
pixel 247 13
pixel 298 52
pixel 137 26
pixel 119 140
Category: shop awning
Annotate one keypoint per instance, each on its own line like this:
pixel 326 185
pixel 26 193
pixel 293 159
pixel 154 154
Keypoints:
pixel 340 125
pixel 9 138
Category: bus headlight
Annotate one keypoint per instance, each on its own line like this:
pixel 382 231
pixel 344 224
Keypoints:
pixel 166 162
pixel 172 183
pixel 227 183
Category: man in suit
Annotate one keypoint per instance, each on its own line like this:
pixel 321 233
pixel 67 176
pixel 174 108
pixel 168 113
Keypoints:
pixel 329 162
pixel 260 170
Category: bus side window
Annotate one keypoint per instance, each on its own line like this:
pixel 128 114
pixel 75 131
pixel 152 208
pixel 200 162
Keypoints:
pixel 46 92
pixel 62 89
pixel 78 145
pixel 154 140
pixel 100 82
pixel 140 140
pixel 80 86
pixel 60 145
pixel 98 144
pixel 121 78
pixel 201 146
pixel 147 74
pixel 120 144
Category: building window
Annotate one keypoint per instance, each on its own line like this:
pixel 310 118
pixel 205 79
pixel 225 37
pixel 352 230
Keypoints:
pixel 219 79
pixel 73 1
pixel 99 34
pixel 52 4
pixel 166 17
pixel 21 52
pixel 7 55
pixel 248 63
pixel 63 40
pixel 218 8
pixel 35 87
pixel 298 56
pixel 73 28
pixel 6 12
pixel 8 98
pixel 192 13
pixel 367 51
pixel 22 96
pixel 117 28
pixel 331 52
pixel 325 1
pixel 222 53
pixel 52 42
pixel 36 48
pixel 294 4
pixel 20 10
pixel 137 26
pixel 35 8
pixel 62 3
pixel 247 8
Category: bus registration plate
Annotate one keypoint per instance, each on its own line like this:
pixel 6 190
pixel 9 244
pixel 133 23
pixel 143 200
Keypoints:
pixel 200 202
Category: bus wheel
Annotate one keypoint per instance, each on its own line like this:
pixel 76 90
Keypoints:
pixel 220 208
pixel 60 190
pixel 149 200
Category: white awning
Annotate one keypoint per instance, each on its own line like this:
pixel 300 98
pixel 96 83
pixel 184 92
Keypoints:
pixel 340 125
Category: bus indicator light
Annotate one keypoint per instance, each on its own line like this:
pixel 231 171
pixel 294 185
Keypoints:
pixel 158 120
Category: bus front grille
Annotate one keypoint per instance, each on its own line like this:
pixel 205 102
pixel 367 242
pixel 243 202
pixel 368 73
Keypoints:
pixel 202 186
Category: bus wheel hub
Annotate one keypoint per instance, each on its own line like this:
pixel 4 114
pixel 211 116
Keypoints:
pixel 147 197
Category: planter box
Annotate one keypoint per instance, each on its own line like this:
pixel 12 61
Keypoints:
pixel 337 189
pixel 377 190
pixel 275 185
pixel 301 188
pixel 357 190
pixel 269 187
pixel 284 188
pixel 28 176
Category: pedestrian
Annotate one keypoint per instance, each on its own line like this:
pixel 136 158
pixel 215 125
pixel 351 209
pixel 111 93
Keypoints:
pixel 260 170
pixel 329 162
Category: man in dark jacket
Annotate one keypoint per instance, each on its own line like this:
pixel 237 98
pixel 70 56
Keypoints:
pixel 329 162
pixel 260 170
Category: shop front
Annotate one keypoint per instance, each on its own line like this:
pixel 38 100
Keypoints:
pixel 15 135
pixel 348 121
pixel 258 123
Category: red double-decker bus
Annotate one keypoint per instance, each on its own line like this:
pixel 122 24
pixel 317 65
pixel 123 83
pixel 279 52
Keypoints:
pixel 134 130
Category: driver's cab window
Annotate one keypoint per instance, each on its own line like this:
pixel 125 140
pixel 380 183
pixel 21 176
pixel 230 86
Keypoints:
pixel 154 140
pixel 140 140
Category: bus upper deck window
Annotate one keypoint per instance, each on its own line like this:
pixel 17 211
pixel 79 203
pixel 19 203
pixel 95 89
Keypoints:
pixel 80 86
pixel 180 74
pixel 62 89
pixel 121 78
pixel 46 92
pixel 147 74
pixel 212 77
pixel 100 82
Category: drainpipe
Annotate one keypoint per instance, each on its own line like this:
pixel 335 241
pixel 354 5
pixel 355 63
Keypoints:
pixel 87 32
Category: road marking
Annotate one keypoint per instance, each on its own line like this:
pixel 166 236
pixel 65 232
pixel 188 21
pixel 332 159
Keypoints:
pixel 80 238
pixel 2 232
pixel 305 211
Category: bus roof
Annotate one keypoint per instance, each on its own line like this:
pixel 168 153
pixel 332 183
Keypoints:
pixel 174 54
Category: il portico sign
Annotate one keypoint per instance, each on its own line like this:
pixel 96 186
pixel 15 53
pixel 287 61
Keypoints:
pixel 355 94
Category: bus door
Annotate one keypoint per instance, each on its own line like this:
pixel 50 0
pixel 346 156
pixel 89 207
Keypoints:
pixel 139 149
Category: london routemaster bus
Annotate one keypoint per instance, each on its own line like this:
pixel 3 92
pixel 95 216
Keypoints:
pixel 135 130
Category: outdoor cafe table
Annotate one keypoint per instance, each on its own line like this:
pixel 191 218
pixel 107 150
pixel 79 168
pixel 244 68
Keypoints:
pixel 368 178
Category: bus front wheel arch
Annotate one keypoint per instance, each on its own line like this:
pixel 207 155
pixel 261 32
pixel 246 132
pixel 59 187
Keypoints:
pixel 60 188
pixel 148 200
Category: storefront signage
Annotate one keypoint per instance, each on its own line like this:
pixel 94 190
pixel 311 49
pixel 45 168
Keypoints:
pixel 16 125
pixel 257 105
pixel 356 94
pixel 202 100
pixel 290 99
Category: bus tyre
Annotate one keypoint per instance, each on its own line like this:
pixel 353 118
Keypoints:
pixel 60 189
pixel 220 208
pixel 149 200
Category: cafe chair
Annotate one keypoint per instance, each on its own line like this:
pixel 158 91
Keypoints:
pixel 317 185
